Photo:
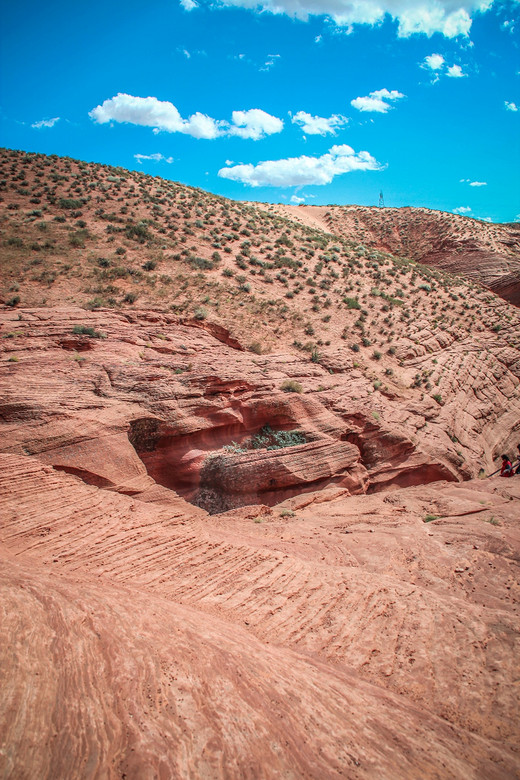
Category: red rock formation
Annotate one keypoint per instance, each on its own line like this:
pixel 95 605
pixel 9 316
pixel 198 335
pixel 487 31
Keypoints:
pixel 153 641
pixel 156 415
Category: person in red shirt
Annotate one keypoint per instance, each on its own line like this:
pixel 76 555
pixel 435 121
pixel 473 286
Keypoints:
pixel 506 469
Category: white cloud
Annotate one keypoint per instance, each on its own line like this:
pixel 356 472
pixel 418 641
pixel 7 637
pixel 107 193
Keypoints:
pixel 438 66
pixel 189 5
pixel 157 157
pixel 318 125
pixel 462 210
pixel 46 123
pixel 433 62
pixel 510 106
pixel 377 101
pixel 296 200
pixel 474 183
pixel 300 171
pixel 254 124
pixel 451 18
pixel 163 115
pixel 455 72
pixel 270 61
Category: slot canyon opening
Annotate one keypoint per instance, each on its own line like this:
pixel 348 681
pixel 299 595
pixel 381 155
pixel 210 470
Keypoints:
pixel 226 467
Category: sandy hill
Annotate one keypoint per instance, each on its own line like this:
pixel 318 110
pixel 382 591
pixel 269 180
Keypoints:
pixel 242 533
pixel 484 252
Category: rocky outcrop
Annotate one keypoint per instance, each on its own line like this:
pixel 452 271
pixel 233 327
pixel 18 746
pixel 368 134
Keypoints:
pixel 143 405
pixel 269 477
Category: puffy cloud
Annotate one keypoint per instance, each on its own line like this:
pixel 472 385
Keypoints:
pixel 157 157
pixel 318 125
pixel 45 123
pixel 295 200
pixel 455 72
pixel 448 17
pixel 510 106
pixel 437 65
pixel 254 124
pixel 300 171
pixel 377 101
pixel 163 115
pixel 462 210
pixel 433 62
pixel 189 5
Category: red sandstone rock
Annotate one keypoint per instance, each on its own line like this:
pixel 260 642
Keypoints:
pixel 310 643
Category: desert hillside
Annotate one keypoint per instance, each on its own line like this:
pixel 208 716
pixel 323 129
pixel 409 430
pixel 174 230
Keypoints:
pixel 484 252
pixel 245 524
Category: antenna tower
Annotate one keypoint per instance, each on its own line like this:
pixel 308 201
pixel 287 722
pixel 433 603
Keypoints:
pixel 381 200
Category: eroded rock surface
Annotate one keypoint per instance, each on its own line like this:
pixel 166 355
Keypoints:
pixel 163 614
pixel 340 637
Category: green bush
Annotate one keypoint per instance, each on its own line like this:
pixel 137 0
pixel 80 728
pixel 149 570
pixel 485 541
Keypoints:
pixel 87 330
pixel 69 203
pixel 352 303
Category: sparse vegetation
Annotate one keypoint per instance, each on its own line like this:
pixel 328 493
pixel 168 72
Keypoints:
pixel 291 386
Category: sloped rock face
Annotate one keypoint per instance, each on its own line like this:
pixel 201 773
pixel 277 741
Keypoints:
pixel 152 401
pixel 341 637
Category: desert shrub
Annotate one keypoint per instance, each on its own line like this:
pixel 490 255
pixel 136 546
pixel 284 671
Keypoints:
pixel 78 239
pixel 69 203
pixel 138 232
pixel 255 347
pixel 150 265
pixel 437 397
pixel 200 313
pixel 88 330
pixel 352 303
pixel 291 386
pixel 376 355
pixel 14 301
pixel 268 439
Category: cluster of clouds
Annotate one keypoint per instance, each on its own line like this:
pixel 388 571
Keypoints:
pixel 436 64
pixel 162 115
pixel 302 171
pixel 510 106
pixel 254 124
pixel 451 18
pixel 474 183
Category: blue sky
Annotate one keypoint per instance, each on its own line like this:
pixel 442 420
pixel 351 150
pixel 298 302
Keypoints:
pixel 314 101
